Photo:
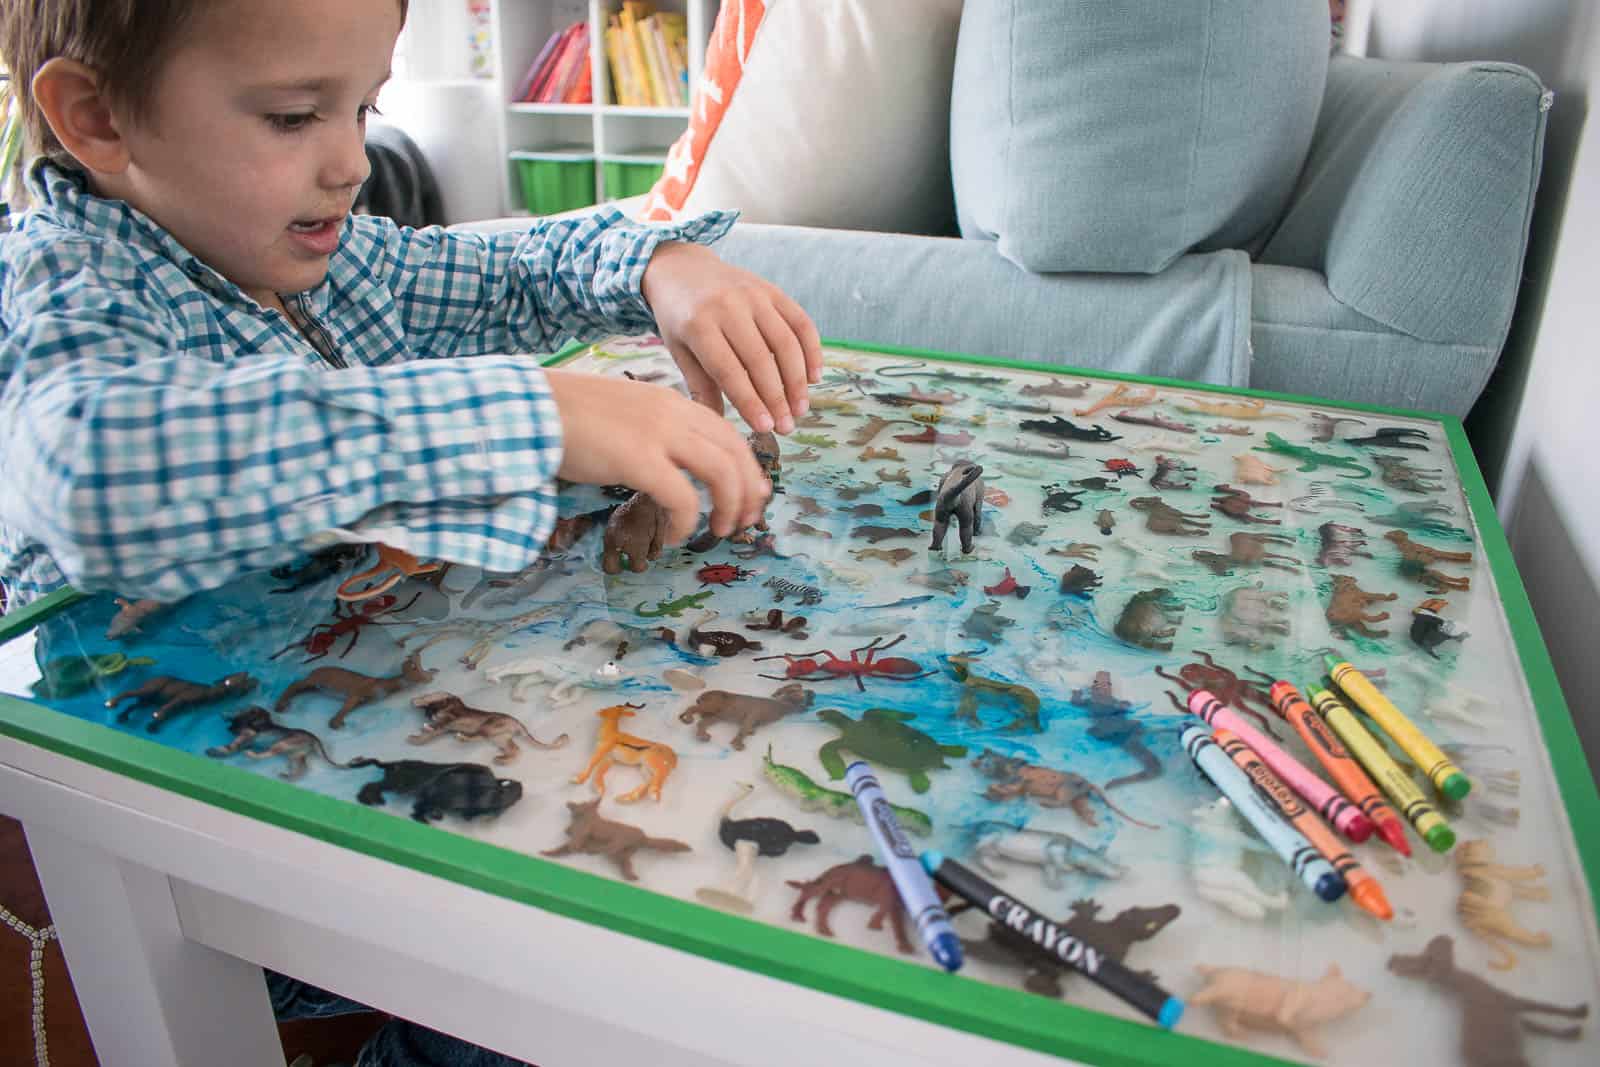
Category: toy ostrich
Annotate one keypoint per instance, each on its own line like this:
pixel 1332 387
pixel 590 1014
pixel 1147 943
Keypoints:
pixel 749 838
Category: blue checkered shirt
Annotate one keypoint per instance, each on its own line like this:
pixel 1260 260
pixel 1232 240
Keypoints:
pixel 161 432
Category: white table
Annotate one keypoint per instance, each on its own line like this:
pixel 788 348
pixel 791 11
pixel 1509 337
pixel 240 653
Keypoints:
pixel 168 908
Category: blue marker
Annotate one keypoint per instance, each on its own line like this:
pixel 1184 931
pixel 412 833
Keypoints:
pixel 1302 857
pixel 916 890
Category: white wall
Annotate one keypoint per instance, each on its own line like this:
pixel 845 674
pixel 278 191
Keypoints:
pixel 1536 429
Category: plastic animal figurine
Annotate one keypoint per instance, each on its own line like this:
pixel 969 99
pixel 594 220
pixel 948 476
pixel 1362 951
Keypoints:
pixel 131 615
pixel 1150 619
pixel 1253 1000
pixel 254 724
pixel 319 565
pixel 976 687
pixel 1123 468
pixel 1023 447
pixel 1007 586
pixel 465 790
pixel 749 838
pixel 794 626
pixel 1172 474
pixel 1245 407
pixel 945 580
pixel 1341 545
pixel 894 477
pixel 346 621
pixel 1154 419
pixel 1077 550
pixel 1164 442
pixel 486 633
pixel 1319 495
pixel 1417 515
pixel 986 623
pixel 1236 504
pixel 673 608
pixel 1324 426
pixel 655 759
pixel 723 644
pixel 446 714
pixel 1487 893
pixel 869 454
pixel 496 591
pixel 1492 1020
pixel 1249 470
pixel 566 681
pixel 1311 460
pixel 1238 693
pixel 592 834
pixel 809 508
pixel 805 529
pixel 67 676
pixel 807 667
pixel 764 446
pixel 1163 518
pixel 721 574
pixel 834 803
pixel 917 499
pixel 1116 936
pixel 636 531
pixel 867 430
pixel 1392 437
pixel 861 880
pixel 1253 617
pixel 873 534
pixel 1055 854
pixel 1025 533
pixel 747 713
pixel 1059 501
pixel 394 566
pixel 1231 429
pixel 1016 778
pixel 1055 387
pixel 1415 560
pixel 358 690
pixel 1105 521
pixel 864 511
pixel 172 695
pixel 819 440
pixel 1218 845
pixel 1120 396
pixel 960 495
pixel 1028 407
pixel 892 556
pixel 931 436
pixel 1079 581
pixel 1429 629
pixel 1402 475
pixel 1347 609
pixel 1063 429
pixel 1111 721
pixel 883 737
pixel 1248 550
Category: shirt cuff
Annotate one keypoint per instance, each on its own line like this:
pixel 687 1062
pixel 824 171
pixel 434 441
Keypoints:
pixel 630 247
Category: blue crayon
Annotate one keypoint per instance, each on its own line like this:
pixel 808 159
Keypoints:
pixel 1302 857
pixel 916 890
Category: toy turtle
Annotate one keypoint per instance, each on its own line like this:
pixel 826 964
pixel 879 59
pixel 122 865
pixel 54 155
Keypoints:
pixel 67 676
pixel 882 737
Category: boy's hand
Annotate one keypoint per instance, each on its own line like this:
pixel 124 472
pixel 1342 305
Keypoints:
pixel 733 333
pixel 646 436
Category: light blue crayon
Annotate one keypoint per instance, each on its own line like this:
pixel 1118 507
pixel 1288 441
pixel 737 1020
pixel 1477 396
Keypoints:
pixel 1302 857
pixel 916 890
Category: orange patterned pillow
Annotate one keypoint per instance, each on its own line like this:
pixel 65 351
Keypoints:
pixel 735 30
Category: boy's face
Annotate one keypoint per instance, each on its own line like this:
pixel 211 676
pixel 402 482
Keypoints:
pixel 253 147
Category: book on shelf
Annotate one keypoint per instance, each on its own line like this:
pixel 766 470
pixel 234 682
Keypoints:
pixel 541 64
pixel 621 81
pixel 582 91
pixel 677 51
pixel 633 52
pixel 648 36
pixel 564 74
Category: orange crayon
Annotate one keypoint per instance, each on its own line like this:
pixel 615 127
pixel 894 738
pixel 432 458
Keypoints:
pixel 1347 774
pixel 1364 889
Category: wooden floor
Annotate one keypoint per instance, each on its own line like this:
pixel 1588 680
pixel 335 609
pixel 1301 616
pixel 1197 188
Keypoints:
pixel 325 1040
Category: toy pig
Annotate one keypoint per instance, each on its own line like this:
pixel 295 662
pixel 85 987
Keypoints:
pixel 1244 999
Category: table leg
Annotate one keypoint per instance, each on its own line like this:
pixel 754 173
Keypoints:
pixel 150 997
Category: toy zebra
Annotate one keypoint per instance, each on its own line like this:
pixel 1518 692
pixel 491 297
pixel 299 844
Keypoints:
pixel 782 587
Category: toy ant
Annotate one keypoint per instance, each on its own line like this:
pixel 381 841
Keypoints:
pixel 807 668
pixel 347 619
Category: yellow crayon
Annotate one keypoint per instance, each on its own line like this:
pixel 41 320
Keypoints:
pixel 1446 776
pixel 1390 778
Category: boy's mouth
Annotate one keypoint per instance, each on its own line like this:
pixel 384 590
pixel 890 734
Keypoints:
pixel 318 236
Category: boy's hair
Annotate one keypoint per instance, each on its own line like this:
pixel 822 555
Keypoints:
pixel 125 41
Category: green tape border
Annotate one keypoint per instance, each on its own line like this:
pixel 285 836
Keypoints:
pixel 1007 1015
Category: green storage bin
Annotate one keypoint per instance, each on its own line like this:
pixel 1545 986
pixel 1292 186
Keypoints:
pixel 623 179
pixel 554 181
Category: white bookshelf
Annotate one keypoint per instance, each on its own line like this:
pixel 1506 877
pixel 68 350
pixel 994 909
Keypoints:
pixel 609 132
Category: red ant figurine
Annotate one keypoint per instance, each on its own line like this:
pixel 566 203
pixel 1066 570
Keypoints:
pixel 347 619
pixel 807 668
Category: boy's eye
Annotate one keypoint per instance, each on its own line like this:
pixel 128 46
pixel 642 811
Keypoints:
pixel 291 123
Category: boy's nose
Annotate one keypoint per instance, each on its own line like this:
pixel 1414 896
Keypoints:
pixel 347 165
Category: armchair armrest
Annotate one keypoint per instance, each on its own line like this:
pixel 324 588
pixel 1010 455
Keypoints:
pixel 1416 197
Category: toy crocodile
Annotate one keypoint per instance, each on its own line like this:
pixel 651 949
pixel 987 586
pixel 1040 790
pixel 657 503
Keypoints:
pixel 834 802
pixel 671 607
pixel 1310 459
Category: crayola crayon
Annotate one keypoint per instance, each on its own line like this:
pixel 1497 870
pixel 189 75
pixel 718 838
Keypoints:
pixel 1290 844
pixel 1340 765
pixel 1351 820
pixel 1052 942
pixel 1364 889
pixel 1394 782
pixel 1446 776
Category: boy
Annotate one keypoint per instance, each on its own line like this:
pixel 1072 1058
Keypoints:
pixel 206 363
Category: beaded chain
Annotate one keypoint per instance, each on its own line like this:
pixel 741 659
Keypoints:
pixel 37 939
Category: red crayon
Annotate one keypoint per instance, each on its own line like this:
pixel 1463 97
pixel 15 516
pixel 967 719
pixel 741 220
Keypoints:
pixel 1347 774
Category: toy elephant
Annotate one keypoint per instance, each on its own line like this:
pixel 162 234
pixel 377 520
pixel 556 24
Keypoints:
pixel 636 530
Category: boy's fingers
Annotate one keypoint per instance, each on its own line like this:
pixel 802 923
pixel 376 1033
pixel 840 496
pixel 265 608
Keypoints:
pixel 718 359
pixel 671 490
pixel 746 491
pixel 805 330
pixel 781 339
pixel 702 387
pixel 756 357
pixel 710 462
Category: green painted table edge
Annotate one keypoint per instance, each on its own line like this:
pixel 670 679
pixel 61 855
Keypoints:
pixel 1008 1015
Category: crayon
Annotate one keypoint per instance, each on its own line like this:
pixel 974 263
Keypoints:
pixel 1340 765
pixel 1054 943
pixel 1290 844
pixel 1323 798
pixel 1401 790
pixel 910 880
pixel 1364 889
pixel 1446 776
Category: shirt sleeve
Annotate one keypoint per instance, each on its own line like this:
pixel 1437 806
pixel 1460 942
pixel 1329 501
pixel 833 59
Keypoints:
pixel 157 474
pixel 462 293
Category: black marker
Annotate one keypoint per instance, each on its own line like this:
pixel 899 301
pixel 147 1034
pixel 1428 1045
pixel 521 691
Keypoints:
pixel 1054 943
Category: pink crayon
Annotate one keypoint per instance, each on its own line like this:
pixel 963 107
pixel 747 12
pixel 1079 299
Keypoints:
pixel 1328 802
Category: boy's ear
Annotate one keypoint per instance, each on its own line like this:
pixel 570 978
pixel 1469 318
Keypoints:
pixel 79 114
